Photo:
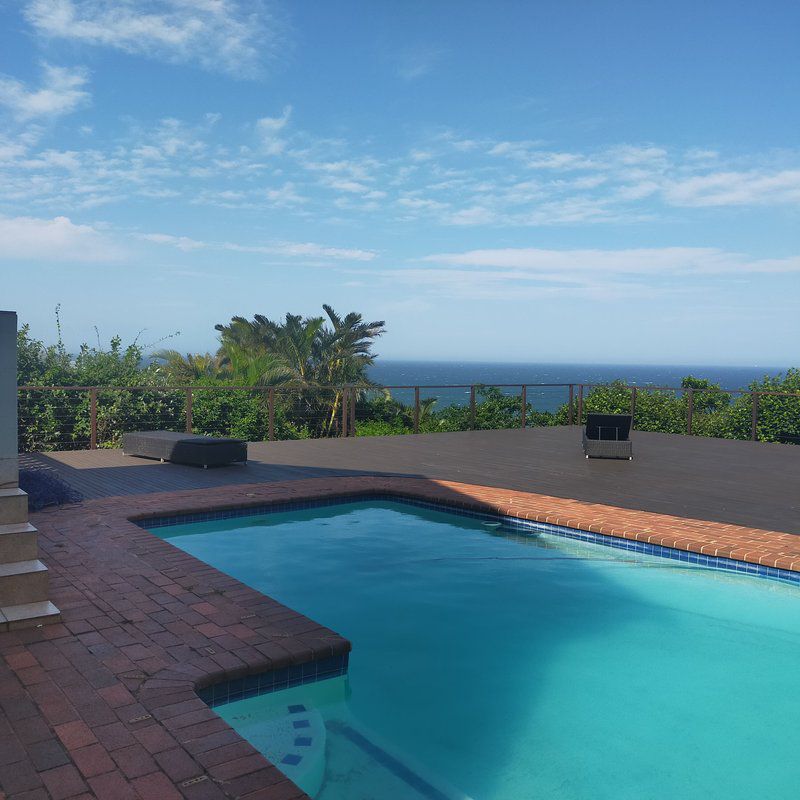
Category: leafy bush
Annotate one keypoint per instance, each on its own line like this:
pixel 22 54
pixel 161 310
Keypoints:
pixel 318 356
pixel 378 427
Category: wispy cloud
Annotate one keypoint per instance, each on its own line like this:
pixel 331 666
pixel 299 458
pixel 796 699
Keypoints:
pixel 414 62
pixel 219 35
pixel 284 249
pixel 61 91
pixel 181 242
pixel 434 180
pixel 504 272
pixel 54 240
pixel 642 261
pixel 269 131
pixel 755 187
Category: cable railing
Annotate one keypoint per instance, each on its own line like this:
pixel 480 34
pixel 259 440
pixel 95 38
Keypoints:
pixel 92 417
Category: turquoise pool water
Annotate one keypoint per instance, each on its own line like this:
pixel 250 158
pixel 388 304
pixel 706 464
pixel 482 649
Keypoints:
pixel 496 665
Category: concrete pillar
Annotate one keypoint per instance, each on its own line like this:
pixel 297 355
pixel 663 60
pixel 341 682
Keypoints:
pixel 8 400
pixel 24 580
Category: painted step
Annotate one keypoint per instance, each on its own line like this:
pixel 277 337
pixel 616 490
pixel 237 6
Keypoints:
pixel 18 542
pixel 13 506
pixel 28 615
pixel 23 582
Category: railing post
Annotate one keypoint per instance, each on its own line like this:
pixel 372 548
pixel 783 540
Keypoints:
pixel 580 404
pixel 343 432
pixel 633 405
pixel 188 411
pixel 571 401
pixel 472 408
pixel 271 412
pixel 754 416
pixel 524 406
pixel 93 418
pixel 352 427
pixel 416 409
pixel 689 412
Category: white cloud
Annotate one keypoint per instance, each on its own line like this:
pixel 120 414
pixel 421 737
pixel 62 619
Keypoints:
pixel 220 35
pixel 61 92
pixel 296 249
pixel 474 215
pixel 269 128
pixel 736 189
pixel 606 263
pixel 11 150
pixel 415 62
pixel 288 249
pixel 181 242
pixel 531 273
pixel 502 185
pixel 285 196
pixel 54 240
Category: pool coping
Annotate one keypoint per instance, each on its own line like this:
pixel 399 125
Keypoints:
pixel 111 692
pixel 521 524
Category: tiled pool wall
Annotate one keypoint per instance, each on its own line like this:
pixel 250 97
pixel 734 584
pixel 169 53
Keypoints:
pixel 273 681
pixel 520 525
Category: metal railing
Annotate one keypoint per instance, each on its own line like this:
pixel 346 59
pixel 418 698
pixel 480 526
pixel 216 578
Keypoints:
pixel 88 417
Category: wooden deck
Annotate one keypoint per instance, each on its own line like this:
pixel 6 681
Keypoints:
pixel 744 483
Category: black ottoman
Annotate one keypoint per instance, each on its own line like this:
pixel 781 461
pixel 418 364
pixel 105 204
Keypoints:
pixel 184 448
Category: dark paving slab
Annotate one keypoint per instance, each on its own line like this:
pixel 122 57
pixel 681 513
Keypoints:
pixel 754 484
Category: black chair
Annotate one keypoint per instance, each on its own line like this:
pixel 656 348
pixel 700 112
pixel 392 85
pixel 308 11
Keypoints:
pixel 608 436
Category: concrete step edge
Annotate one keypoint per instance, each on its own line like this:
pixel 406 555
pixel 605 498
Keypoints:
pixel 25 615
pixel 16 568
pixel 17 527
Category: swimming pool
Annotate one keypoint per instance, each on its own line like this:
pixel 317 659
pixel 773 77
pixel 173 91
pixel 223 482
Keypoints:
pixel 492 663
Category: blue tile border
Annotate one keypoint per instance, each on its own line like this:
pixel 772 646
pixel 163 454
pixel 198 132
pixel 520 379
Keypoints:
pixel 520 525
pixel 273 681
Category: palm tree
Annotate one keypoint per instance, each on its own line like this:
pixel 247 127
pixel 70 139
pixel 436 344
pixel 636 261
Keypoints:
pixel 289 344
pixel 344 351
pixel 191 367
pixel 308 353
pixel 254 367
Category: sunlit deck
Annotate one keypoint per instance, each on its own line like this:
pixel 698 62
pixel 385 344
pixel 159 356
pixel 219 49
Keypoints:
pixel 745 483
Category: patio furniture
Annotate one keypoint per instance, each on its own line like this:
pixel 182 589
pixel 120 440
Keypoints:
pixel 788 438
pixel 608 436
pixel 183 448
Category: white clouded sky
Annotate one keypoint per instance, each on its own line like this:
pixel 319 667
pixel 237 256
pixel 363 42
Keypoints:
pixel 516 182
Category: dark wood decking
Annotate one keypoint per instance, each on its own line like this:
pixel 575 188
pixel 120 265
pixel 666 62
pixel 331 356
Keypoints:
pixel 744 483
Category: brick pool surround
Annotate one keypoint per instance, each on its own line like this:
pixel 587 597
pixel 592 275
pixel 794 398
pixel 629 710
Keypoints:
pixel 105 703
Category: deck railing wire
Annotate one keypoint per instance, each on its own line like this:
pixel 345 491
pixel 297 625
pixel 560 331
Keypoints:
pixel 91 417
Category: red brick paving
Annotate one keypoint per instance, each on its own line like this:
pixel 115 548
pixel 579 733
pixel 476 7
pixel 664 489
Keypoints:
pixel 103 704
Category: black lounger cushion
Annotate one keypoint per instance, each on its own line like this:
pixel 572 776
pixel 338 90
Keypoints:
pixel 184 448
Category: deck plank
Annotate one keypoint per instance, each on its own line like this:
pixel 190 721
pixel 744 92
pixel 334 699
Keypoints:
pixel 745 483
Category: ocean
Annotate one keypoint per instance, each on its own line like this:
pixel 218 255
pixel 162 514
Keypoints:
pixel 421 373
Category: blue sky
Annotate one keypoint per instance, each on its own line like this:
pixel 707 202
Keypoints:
pixel 528 181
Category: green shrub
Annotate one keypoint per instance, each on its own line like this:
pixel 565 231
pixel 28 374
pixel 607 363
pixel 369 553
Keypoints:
pixel 377 427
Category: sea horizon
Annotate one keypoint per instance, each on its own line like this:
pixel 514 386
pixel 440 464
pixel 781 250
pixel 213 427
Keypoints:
pixel 440 374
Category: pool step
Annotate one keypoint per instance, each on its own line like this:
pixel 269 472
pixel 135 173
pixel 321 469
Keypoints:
pixel 13 506
pixel 23 582
pixel 18 542
pixel 28 615
pixel 293 738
